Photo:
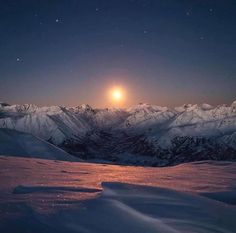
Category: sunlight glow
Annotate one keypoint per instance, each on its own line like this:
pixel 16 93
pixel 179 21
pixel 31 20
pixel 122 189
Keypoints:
pixel 117 95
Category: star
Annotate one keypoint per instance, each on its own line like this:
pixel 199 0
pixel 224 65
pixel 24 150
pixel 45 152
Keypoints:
pixel 17 59
pixel 187 13
pixel 210 9
pixel 145 31
pixel 57 20
pixel 96 9
pixel 202 38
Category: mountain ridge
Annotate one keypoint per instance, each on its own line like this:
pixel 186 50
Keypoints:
pixel 157 135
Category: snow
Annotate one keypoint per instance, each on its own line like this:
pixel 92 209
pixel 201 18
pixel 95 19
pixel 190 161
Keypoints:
pixel 21 189
pixel 21 144
pixel 49 123
pixel 60 123
pixel 233 105
pixel 144 129
pixel 207 106
pixel 53 196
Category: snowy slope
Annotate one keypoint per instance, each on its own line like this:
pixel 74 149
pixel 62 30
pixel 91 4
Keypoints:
pixel 21 144
pixel 54 124
pixel 48 196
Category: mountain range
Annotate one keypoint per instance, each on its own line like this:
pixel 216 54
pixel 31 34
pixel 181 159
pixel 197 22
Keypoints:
pixel 142 135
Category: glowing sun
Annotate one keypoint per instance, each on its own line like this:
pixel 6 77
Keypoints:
pixel 117 94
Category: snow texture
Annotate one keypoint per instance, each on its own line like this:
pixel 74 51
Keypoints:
pixel 21 144
pixel 144 134
pixel 69 198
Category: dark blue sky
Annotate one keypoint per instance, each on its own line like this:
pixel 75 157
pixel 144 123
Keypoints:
pixel 164 52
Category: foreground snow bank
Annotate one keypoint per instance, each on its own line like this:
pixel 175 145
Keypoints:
pixel 132 209
pixel 45 196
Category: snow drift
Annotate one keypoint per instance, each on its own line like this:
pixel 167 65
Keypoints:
pixel 49 196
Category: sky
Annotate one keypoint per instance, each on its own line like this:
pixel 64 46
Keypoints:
pixel 163 52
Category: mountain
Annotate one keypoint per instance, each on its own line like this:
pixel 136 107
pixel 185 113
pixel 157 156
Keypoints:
pixel 54 124
pixel 144 134
pixel 25 145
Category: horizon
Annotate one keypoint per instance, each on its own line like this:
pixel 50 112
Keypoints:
pixel 114 107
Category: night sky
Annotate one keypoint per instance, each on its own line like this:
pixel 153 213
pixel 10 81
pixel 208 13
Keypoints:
pixel 164 52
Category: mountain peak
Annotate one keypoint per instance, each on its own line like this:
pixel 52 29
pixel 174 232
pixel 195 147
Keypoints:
pixel 233 105
pixel 3 104
pixel 86 107
pixel 207 106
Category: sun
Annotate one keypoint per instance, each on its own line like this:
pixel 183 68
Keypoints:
pixel 117 94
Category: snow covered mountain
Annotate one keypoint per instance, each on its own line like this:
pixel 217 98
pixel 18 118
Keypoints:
pixel 143 134
pixel 54 124
pixel 25 145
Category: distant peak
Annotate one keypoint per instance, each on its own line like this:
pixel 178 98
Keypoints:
pixel 82 108
pixel 144 104
pixel 85 108
pixel 207 106
pixel 233 105
pixel 3 104
pixel 188 105
pixel 26 107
